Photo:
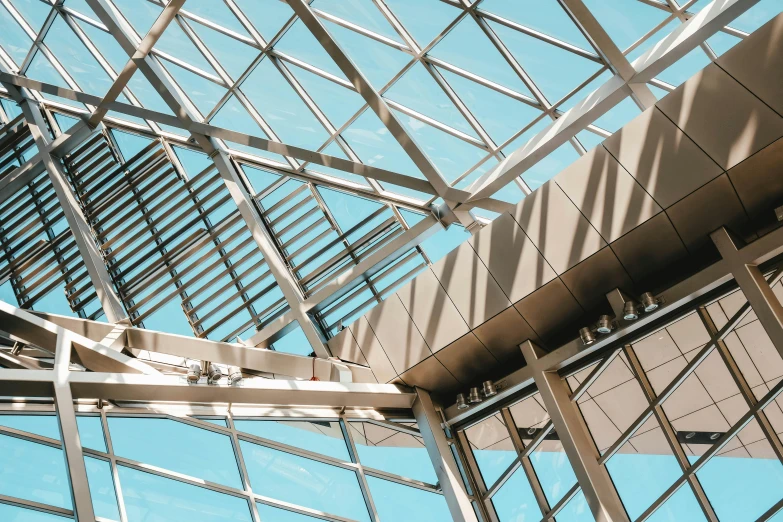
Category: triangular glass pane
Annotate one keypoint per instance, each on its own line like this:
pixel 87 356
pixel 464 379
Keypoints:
pixel 76 59
pixel 203 93
pixel 417 90
pixel 450 155
pixel 129 144
pixel 141 15
pixel 377 61
pixel 685 67
pixel 364 14
pixel 545 16
pixel 537 58
pixel 282 108
pixel 33 11
pixel 126 117
pixel 334 150
pixel 176 43
pixel 41 69
pixel 515 499
pixel 337 102
pixel 267 16
pixel 585 91
pixel 721 42
pixel 13 39
pixel 106 44
pixel 550 166
pixel 680 506
pixel 233 116
pixel 577 510
pixel 216 12
pixel 444 241
pixel 467 47
pixel 234 56
pixel 348 210
pixel 63 121
pixel 81 6
pixel 371 141
pixel 500 115
pixel 751 19
pixel 626 20
pixel 147 95
pixel 300 43
pixel 656 37
pixel 589 140
pixel 260 179
pixel 423 20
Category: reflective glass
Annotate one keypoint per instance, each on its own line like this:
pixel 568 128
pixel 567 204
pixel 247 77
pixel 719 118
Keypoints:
pixel 104 499
pixel 395 501
pixel 152 498
pixel 324 437
pixel 576 510
pixel 272 514
pixel 45 425
pixel 290 478
pixel 553 470
pixel 492 448
pixel 424 20
pixel 392 451
pixel 176 446
pixel 33 471
pixel 515 501
pixel 9 513
pixel 91 432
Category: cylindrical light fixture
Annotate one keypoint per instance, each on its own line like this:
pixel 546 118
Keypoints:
pixel 649 301
pixel 234 374
pixel 604 324
pixel 474 397
pixel 587 335
pixel 488 389
pixel 630 311
pixel 194 372
pixel 462 403
pixel 214 373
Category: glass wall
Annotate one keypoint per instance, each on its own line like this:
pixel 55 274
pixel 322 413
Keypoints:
pixel 686 421
pixel 174 468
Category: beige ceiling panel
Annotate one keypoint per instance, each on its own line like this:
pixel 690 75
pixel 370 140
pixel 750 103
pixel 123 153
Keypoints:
pixel 430 374
pixel 344 346
pixel 646 249
pixel 715 377
pixel 511 258
pixel 759 180
pixel 602 429
pixel 606 194
pixel 722 117
pixel 761 350
pixel 594 277
pixel 472 289
pixel 689 333
pixel 467 359
pixel 655 350
pixel 398 334
pixel 690 396
pixel 487 433
pixel 503 334
pixel 372 350
pixel 652 442
pixel 623 404
pixel 548 308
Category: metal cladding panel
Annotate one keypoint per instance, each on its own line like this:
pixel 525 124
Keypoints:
pixel 467 281
pixel 547 216
pixel 692 216
pixel 665 162
pixel 759 179
pixel 503 333
pixel 372 350
pixel 726 120
pixel 512 259
pixel 467 359
pixel 649 247
pixel 344 346
pixel 435 315
pixel 590 280
pixel 431 374
pixel 606 194
pixel 398 334
pixel 755 62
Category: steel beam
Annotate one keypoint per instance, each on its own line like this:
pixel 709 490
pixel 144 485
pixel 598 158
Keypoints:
pixel 597 486
pixel 438 449
pixel 82 234
pixel 755 287
pixel 680 42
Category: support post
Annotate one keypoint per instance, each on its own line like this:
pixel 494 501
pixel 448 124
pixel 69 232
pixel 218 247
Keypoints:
pixel 69 432
pixel 442 459
pixel 596 484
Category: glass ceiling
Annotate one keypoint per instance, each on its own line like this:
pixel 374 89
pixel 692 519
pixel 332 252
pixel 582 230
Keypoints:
pixel 470 83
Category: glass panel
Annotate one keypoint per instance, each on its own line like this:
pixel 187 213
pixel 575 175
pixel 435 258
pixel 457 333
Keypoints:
pixel 492 448
pixel 553 470
pixel 176 446
pixel 643 469
pixel 515 501
pixel 392 451
pixel 424 20
pixel 45 425
pixel 319 436
pixel 150 497
pixel 34 472
pixel 394 501
pixel 681 506
pixel 576 510
pixel 744 479
pixel 104 500
pixel 91 432
pixel 273 514
pixel 305 482
pixel 9 513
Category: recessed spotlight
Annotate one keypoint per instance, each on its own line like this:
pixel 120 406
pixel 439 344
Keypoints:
pixel 690 435
pixel 715 436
